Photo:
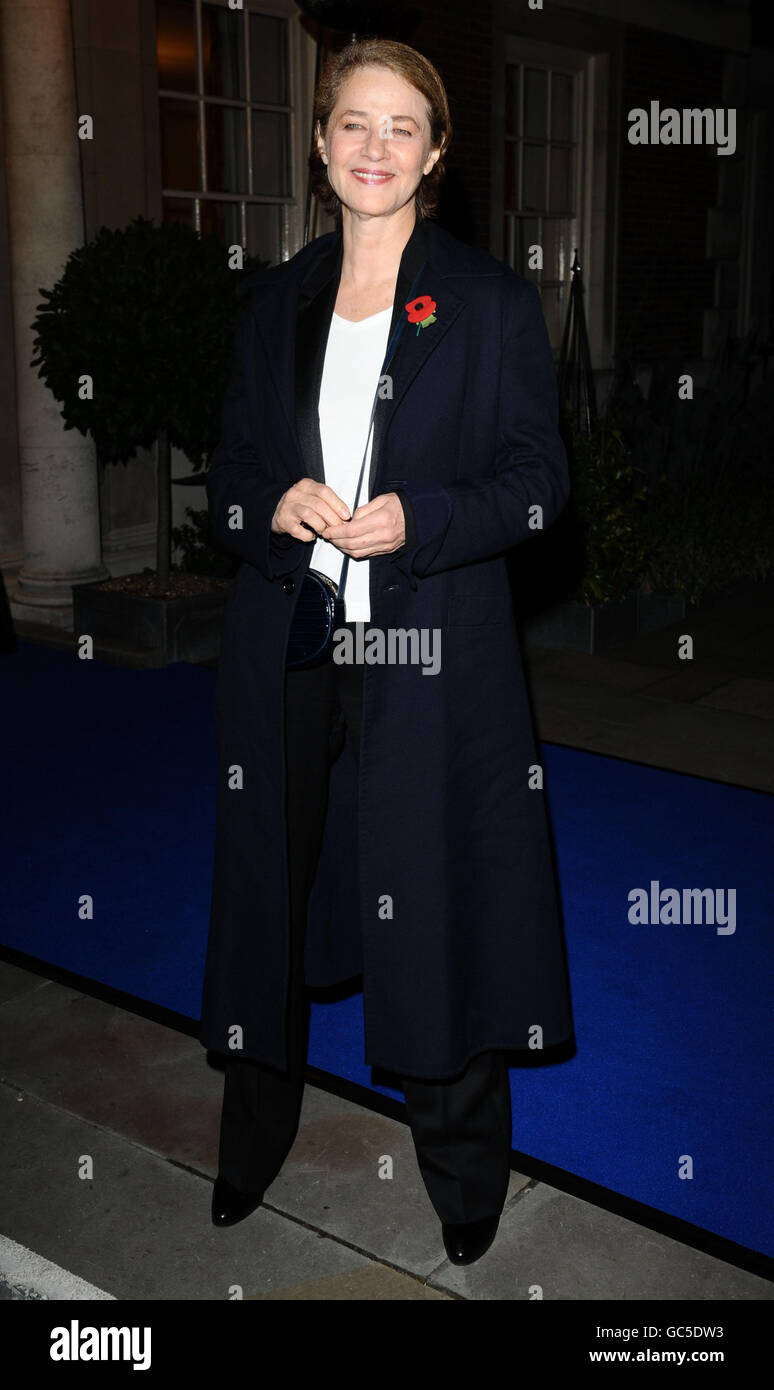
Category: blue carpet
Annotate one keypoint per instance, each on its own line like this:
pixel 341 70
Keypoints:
pixel 110 781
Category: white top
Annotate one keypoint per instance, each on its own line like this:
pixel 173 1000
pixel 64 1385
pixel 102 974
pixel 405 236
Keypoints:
pixel 353 361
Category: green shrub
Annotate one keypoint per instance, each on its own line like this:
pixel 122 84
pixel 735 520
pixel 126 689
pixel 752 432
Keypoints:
pixel 609 498
pixel 709 519
pixel 201 551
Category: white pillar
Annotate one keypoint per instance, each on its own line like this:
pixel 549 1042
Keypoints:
pixel 59 482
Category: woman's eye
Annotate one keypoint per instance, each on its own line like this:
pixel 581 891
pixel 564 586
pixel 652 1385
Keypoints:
pixel 396 130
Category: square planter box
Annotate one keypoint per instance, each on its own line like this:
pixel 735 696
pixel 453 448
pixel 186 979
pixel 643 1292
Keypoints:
pixel 580 627
pixel 659 610
pixel 175 629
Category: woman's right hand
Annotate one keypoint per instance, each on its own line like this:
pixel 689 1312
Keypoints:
pixel 308 506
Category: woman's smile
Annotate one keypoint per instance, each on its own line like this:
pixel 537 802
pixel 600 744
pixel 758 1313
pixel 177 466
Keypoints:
pixel 373 176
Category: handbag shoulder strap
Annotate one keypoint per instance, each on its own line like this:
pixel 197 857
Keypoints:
pixel 390 353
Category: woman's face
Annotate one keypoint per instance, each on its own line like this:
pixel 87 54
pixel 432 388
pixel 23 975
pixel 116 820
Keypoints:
pixel 377 146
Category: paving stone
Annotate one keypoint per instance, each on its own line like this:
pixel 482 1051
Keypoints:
pixel 144 1081
pixel 156 1088
pixel 557 1247
pixel 688 682
pixel 593 670
pixel 15 981
pixel 754 655
pixel 331 1179
pixel 704 743
pixel 591 706
pixel 732 632
pixel 750 697
pixel 141 1228
pixel 691 738
pixel 376 1282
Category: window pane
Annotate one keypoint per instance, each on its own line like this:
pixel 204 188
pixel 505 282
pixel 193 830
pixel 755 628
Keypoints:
pixel 534 189
pixel 178 210
pixel 176 45
pixel 222 51
pixel 179 144
pixel 510 180
pixel 556 248
pixel 268 60
pixel 226 149
pixel 527 234
pixel 535 103
pixel 271 153
pixel 264 231
pixel 222 220
pixel 561 106
pixel 552 304
pixel 561 179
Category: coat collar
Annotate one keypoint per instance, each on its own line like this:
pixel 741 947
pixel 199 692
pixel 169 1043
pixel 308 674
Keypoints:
pixel 296 333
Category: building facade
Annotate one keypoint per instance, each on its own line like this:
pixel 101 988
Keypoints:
pixel 201 113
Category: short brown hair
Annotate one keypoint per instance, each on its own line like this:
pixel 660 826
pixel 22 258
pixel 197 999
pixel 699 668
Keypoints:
pixel 407 63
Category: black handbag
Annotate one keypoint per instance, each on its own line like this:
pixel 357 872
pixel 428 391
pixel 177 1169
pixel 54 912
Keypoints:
pixel 320 606
pixel 319 611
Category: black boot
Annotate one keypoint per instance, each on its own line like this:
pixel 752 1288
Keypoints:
pixel 468 1240
pixel 229 1205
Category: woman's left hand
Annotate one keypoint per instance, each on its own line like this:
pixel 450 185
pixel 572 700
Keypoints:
pixel 376 528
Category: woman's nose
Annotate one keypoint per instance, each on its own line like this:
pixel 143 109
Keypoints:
pixel 376 145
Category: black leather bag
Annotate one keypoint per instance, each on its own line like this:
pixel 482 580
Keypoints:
pixel 320 606
pixel 319 611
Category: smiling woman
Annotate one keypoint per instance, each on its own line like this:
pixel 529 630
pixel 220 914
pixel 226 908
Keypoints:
pixel 426 116
pixel 376 162
pixel 371 822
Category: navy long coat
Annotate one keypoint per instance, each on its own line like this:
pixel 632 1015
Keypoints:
pixel 436 880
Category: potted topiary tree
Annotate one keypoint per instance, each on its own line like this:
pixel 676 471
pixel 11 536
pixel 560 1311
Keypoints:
pixel 135 342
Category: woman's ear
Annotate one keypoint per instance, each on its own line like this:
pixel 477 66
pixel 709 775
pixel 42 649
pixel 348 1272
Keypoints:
pixel 431 161
pixel 320 143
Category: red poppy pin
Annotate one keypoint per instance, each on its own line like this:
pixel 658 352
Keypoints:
pixel 421 311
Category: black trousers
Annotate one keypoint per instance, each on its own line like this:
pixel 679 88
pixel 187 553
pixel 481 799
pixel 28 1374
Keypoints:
pixel 461 1126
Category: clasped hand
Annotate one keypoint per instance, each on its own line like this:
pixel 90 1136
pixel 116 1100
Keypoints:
pixel 311 508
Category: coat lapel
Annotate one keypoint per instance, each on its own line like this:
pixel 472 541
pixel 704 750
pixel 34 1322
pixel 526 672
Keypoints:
pixel 314 310
pixel 417 276
pixel 296 344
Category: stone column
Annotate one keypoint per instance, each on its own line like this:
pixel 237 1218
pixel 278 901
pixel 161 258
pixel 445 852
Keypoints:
pixel 59 481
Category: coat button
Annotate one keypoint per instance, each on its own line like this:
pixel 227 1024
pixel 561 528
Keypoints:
pixel 289 586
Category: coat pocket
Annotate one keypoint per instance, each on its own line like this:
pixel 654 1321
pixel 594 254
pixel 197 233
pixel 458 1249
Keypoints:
pixel 470 610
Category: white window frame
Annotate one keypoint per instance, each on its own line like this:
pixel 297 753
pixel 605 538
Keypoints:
pixel 301 58
pixel 533 54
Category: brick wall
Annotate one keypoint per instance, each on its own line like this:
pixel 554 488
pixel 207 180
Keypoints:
pixel 664 279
